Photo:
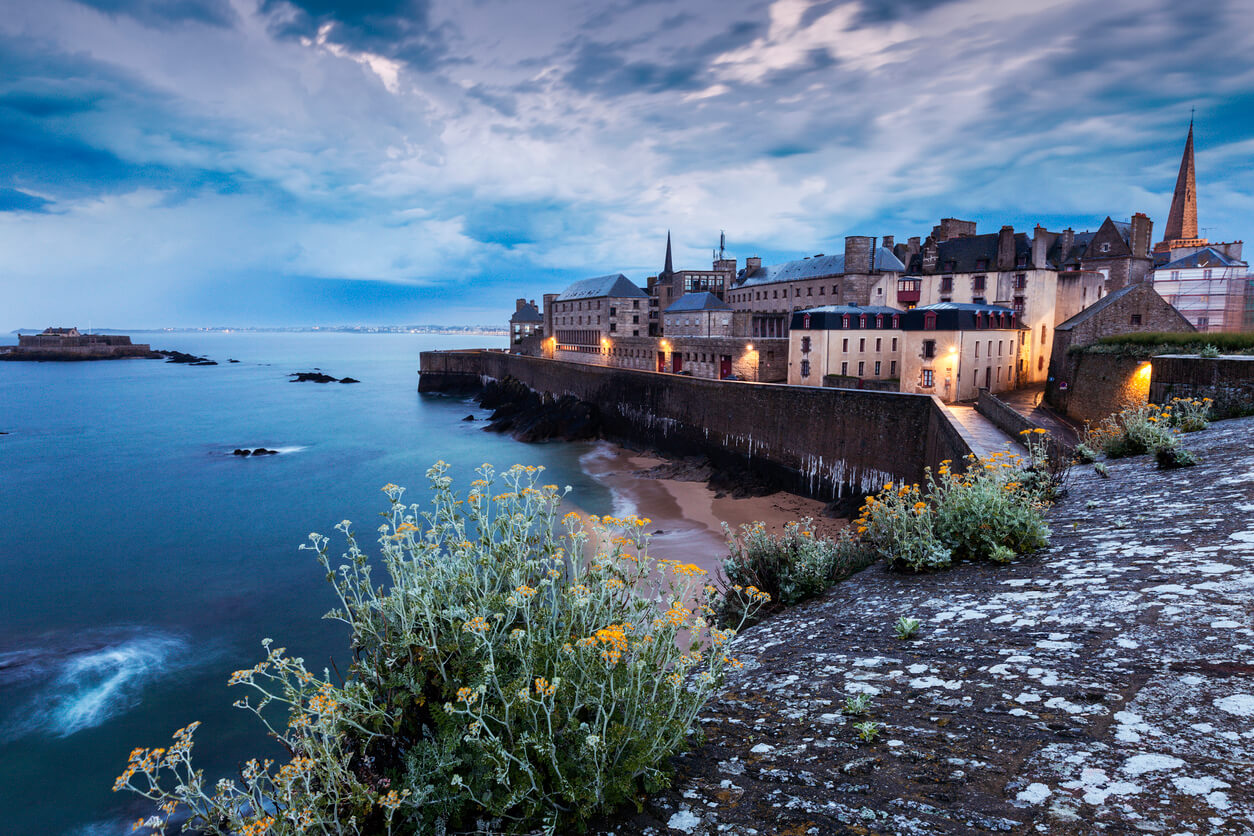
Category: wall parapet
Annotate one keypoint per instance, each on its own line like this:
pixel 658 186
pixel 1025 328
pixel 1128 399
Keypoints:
pixel 810 440
pixel 1007 418
pixel 1228 380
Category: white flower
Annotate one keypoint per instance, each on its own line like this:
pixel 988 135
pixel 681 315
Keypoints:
pixel 456 780
pixel 593 741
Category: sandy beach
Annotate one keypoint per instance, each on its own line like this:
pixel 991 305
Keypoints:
pixel 687 516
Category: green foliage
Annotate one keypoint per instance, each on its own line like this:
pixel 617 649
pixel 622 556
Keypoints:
pixel 1149 428
pixel 858 705
pixel 507 674
pixel 1174 456
pixel 992 511
pixel 1209 350
pixel 1084 453
pixel 789 567
pixel 905 628
pixel 867 731
pixel 1101 470
pixel 1148 344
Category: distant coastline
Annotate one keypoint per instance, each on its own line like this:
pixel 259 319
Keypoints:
pixel 466 330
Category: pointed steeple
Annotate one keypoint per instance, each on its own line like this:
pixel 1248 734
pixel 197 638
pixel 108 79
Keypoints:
pixel 668 270
pixel 1182 219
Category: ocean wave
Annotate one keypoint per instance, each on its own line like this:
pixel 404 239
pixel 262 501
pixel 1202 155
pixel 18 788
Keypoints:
pixel 293 449
pixel 81 686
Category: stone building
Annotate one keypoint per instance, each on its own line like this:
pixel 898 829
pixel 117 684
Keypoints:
pixel 864 274
pixel 70 344
pixel 526 328
pixel 582 319
pixel 1041 279
pixel 954 349
pixel 844 345
pixel 700 314
pixel 1136 307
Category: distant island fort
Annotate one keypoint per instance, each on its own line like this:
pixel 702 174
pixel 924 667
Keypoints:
pixel 70 344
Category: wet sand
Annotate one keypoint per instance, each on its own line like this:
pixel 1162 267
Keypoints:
pixel 687 516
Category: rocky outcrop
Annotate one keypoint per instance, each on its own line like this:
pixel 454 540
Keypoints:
pixel 186 359
pixel 529 416
pixel 318 377
pixel 260 451
pixel 1102 686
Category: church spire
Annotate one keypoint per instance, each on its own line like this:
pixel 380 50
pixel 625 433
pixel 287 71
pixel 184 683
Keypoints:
pixel 668 270
pixel 1182 219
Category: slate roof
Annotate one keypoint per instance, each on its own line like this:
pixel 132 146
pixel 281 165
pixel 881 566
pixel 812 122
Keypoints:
pixel 955 316
pixel 1097 307
pixel 1205 257
pixel 965 253
pixel 616 285
pixel 813 268
pixel 831 317
pixel 703 301
pixel 527 313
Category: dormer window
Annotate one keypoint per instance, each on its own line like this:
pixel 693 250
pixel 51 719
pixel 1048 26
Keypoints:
pixel 845 321
pixel 929 321
pixel 862 321
pixel 1021 260
pixel 879 320
pixel 896 320
pixel 981 264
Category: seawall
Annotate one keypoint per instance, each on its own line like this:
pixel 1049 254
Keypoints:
pixel 817 442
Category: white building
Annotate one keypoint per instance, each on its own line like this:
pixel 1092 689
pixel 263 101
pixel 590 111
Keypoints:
pixel 1207 287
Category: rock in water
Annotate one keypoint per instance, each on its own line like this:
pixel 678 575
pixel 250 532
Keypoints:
pixel 312 377
pixel 349 380
pixel 467 418
pixel 239 452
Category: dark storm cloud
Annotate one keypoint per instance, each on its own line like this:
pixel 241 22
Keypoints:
pixel 398 29
pixel 163 13
pixel 880 11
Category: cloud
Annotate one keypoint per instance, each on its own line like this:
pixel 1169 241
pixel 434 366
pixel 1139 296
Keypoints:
pixel 473 152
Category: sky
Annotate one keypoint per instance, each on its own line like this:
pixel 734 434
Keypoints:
pixel 300 162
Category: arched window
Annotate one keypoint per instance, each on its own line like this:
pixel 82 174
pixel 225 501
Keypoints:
pixel 805 322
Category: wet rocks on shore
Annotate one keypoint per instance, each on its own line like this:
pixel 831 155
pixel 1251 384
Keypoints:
pixel 318 376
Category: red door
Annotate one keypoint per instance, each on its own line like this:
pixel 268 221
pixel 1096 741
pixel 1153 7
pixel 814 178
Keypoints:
pixel 724 366
pixel 661 361
pixel 677 362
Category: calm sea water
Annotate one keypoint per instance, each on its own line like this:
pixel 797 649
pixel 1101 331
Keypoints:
pixel 142 562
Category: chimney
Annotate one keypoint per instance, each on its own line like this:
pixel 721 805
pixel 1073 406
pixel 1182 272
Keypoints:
pixel 1142 235
pixel 549 298
pixel 1041 241
pixel 533 304
pixel 1068 241
pixel 1006 248
pixel 857 254
pixel 889 241
pixel 519 304
pixel 931 253
pixel 752 265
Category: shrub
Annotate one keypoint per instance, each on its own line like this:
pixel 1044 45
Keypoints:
pixel 504 675
pixel 867 731
pixel 857 705
pixel 1174 456
pixel 1149 428
pixel 1146 344
pixel 905 628
pixel 992 511
pixel 1085 454
pixel 789 567
pixel 1209 350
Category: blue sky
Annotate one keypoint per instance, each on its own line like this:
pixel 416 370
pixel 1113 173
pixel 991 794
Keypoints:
pixel 286 162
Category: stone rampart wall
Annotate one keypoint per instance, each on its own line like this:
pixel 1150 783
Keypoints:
pixel 1007 419
pixel 1228 381
pixel 809 440
pixel 1100 384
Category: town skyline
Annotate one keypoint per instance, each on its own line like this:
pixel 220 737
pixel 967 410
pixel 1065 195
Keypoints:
pixel 287 163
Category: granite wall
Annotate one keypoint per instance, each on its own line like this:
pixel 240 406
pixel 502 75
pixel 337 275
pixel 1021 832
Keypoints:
pixel 809 440
pixel 1228 381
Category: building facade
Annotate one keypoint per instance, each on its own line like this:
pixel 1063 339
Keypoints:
pixel 954 349
pixel 526 328
pixel 1208 286
pixel 844 345
pixel 583 318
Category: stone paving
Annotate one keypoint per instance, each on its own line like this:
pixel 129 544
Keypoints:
pixel 983 435
pixel 1105 685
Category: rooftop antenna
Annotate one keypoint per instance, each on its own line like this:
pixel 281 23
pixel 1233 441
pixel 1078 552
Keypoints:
pixel 722 244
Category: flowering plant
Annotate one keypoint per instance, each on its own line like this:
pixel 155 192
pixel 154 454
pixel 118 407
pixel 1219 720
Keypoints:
pixel 518 669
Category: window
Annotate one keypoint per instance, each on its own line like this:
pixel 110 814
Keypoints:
pixel 981 264
pixel 894 348
pixel 805 323
pixel 896 324
pixel 929 348
pixel 1206 274
pixel 879 320
pixel 796 292
pixel 1203 321
pixel 926 379
pixel 862 344
pixel 844 346
pixel 1105 246
pixel 929 321
pixel 1021 281
pixel 878 342
pixel 1042 335
pixel 845 321
pixel 821 289
pixel 613 310
pixel 1135 319
pixel 1040 363
pixel 613 327
pixel 635 305
pixel 977 348
pixel 862 320
pixel 977 284
pixel 1019 304
pixel 834 291
pixel 877 368
pixel 635 319
pixel 892 368
pixel 805 344
pixel 1175 275
pixel 805 368
pixel 844 369
pixel 809 291
pixel 947 284
pixel 861 368
pixel 999 348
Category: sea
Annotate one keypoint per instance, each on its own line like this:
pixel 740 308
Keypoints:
pixel 142 562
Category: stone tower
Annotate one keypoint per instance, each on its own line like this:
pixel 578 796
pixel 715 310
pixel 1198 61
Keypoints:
pixel 1181 228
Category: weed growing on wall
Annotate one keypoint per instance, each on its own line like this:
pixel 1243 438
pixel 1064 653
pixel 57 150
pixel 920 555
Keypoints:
pixel 789 567
pixel 993 510
pixel 1149 428
pixel 507 675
